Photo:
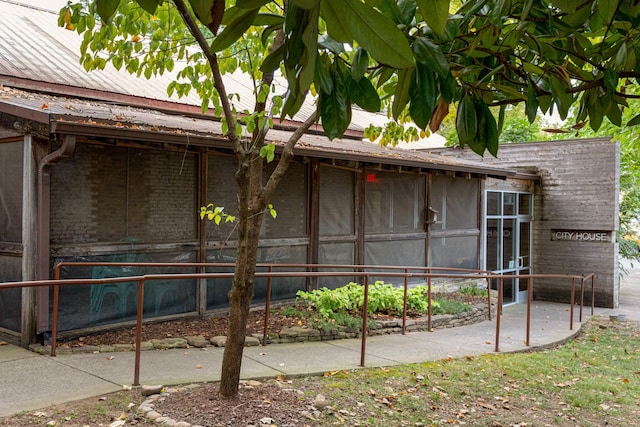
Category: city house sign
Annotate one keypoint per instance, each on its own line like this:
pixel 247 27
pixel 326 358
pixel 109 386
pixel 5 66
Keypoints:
pixel 581 235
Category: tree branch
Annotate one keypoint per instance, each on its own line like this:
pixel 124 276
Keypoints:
pixel 287 155
pixel 218 84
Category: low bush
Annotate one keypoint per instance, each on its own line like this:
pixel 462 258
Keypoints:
pixel 383 298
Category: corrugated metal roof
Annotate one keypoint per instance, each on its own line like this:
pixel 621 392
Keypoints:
pixel 35 49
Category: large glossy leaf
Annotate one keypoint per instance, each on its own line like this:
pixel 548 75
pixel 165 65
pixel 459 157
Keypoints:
pixel 202 9
pixel 251 4
pixel 376 33
pixel 335 109
pixel 607 9
pixel 423 94
pixel 309 38
pixel 363 94
pixel 531 107
pixel 323 80
pixel 106 9
pixel 487 136
pixel 149 5
pixel 436 13
pixel 234 30
pixel 359 64
pixel 401 96
pixel 429 54
pixel 273 60
pixel 466 120
pixel 304 4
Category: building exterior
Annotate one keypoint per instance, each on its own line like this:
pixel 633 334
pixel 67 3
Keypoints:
pixel 103 167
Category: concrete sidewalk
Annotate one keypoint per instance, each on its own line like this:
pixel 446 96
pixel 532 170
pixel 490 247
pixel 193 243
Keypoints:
pixel 30 381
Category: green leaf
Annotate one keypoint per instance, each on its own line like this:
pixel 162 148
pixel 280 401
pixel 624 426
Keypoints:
pixel 634 121
pixel 567 6
pixel 466 120
pixel 487 129
pixel 448 88
pixel 273 60
pixel 202 10
pixel 251 4
pixel 401 96
pixel 436 13
pixel 607 9
pixel 150 5
pixel 531 107
pixel 363 94
pixel 234 30
pixel 376 33
pixel 429 54
pixel 360 64
pixel 620 58
pixel 335 109
pixel 106 9
pixel 305 4
pixel 268 152
pixel 323 79
pixel 423 94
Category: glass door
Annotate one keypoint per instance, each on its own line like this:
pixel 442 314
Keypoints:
pixel 508 252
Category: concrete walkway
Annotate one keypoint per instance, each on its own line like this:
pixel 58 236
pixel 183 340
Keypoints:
pixel 30 381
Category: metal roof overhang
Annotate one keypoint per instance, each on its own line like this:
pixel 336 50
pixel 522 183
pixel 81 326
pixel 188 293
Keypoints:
pixel 219 142
pixel 193 132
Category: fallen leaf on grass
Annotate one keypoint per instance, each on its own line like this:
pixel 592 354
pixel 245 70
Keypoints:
pixel 487 406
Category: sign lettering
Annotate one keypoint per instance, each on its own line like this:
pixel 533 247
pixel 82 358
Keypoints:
pixel 581 235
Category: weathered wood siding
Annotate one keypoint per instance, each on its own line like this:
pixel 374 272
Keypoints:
pixel 577 191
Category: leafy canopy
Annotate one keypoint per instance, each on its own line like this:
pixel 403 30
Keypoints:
pixel 411 58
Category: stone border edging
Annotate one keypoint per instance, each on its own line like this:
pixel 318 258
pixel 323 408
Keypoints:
pixel 478 313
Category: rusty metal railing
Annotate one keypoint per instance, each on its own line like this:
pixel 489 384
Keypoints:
pixel 424 273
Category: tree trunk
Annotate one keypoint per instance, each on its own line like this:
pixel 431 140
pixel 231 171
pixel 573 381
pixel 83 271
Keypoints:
pixel 251 210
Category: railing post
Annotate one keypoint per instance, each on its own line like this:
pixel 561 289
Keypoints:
pixel 489 296
pixel 581 296
pixel 136 374
pixel 267 307
pixel 593 295
pixel 429 302
pixel 404 301
pixel 529 292
pixel 498 313
pixel 365 315
pixel 54 315
pixel 572 299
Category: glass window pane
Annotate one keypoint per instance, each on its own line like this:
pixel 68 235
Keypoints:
pixel 508 244
pixel 525 204
pixel 509 204
pixel 493 244
pixel 494 203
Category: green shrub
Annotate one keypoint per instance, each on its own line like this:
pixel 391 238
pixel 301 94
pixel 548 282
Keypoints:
pixel 472 290
pixel 450 307
pixel 383 298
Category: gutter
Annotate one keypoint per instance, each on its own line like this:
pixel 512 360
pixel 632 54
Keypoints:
pixel 42 256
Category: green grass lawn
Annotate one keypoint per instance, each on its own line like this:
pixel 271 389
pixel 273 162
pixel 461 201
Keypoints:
pixel 593 380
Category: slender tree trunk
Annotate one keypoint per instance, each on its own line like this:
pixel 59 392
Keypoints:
pixel 251 211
